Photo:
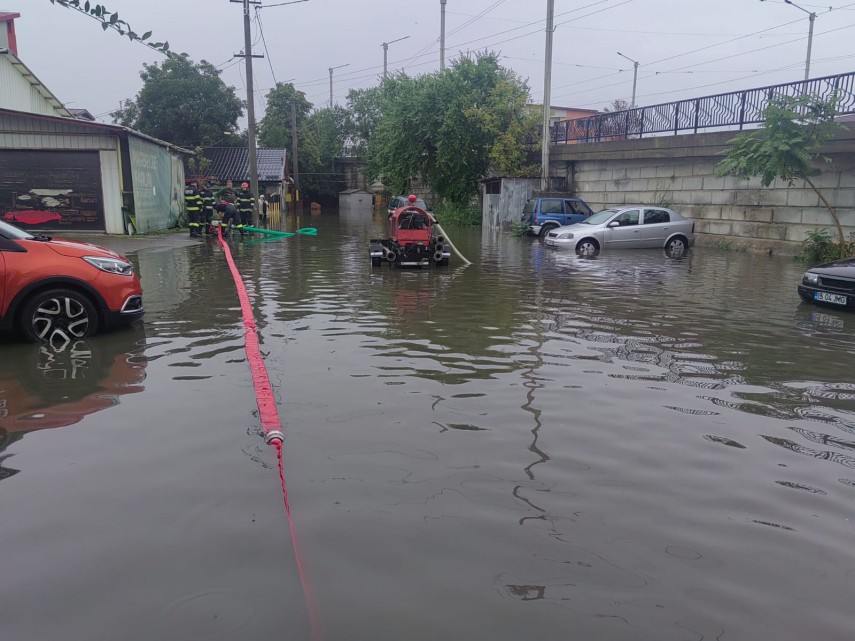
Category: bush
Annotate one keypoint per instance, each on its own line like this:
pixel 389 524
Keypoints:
pixel 519 228
pixel 820 248
pixel 463 215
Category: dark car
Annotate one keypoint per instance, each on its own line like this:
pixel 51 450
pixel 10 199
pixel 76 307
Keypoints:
pixel 544 214
pixel 404 201
pixel 831 284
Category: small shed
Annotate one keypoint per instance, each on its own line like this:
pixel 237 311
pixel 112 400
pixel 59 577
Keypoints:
pixel 504 199
pixel 356 201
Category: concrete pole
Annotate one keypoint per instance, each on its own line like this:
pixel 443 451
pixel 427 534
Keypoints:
pixel 442 35
pixel 331 70
pixel 547 95
pixel 385 59
pixel 295 168
pixel 250 108
pixel 634 82
pixel 810 43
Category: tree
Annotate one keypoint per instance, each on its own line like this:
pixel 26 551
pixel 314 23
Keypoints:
pixel 274 130
pixel 618 104
pixel 322 140
pixel 452 127
pixel 181 102
pixel 110 20
pixel 364 107
pixel 787 147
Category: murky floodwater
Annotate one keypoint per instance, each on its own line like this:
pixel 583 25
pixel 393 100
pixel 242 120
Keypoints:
pixel 536 446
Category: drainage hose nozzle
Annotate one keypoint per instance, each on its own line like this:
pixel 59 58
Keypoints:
pixel 274 435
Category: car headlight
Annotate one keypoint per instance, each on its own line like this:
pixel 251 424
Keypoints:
pixel 110 265
pixel 810 278
pixel 565 236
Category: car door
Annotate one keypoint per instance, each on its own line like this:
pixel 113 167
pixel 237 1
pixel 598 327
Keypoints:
pixel 2 283
pixel 654 229
pixel 572 213
pixel 627 233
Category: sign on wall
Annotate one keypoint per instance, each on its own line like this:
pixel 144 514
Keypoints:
pixel 56 190
pixel 158 186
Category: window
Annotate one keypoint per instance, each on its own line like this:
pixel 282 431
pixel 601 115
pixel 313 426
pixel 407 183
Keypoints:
pixel 628 218
pixel 551 206
pixel 656 216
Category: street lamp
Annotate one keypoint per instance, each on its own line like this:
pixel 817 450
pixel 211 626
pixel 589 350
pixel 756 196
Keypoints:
pixel 812 18
pixel 331 69
pixel 385 46
pixel 634 75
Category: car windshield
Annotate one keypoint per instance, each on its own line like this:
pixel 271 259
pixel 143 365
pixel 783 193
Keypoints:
pixel 8 231
pixel 600 217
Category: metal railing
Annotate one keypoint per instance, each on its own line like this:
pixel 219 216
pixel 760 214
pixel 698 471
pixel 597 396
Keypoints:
pixel 735 109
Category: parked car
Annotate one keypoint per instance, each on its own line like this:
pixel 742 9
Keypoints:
pixel 831 284
pixel 403 201
pixel 633 227
pixel 58 291
pixel 544 214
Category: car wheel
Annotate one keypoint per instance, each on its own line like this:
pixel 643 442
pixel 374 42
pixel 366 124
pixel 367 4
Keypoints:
pixel 545 230
pixel 58 316
pixel 588 247
pixel 676 246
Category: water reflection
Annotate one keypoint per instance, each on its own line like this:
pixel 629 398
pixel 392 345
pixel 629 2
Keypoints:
pixel 45 387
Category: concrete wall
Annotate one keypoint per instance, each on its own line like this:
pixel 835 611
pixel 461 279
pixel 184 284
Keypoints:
pixel 679 172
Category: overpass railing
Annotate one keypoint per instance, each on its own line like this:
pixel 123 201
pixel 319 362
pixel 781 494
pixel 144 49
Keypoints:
pixel 730 110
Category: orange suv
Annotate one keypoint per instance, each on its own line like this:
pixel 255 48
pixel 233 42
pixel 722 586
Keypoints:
pixel 57 291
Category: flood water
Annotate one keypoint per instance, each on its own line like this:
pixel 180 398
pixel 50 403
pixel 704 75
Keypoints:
pixel 537 446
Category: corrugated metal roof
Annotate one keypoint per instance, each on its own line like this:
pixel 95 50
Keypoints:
pixel 232 163
pixel 86 124
pixel 30 77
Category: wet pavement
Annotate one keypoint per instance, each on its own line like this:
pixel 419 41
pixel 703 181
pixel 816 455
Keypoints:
pixel 541 446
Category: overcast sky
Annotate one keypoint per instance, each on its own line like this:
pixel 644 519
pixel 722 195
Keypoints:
pixel 685 48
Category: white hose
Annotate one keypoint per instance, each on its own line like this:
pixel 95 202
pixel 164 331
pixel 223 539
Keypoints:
pixel 448 240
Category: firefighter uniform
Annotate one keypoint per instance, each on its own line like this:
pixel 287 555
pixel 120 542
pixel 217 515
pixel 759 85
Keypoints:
pixel 207 197
pixel 245 202
pixel 193 205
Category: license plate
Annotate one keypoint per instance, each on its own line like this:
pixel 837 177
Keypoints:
pixel 837 299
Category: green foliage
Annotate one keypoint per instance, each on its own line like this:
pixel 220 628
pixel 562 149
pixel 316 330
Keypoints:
pixel 198 164
pixel 459 215
pixel 364 108
pixel 322 140
pixel 452 127
pixel 820 248
pixel 110 20
pixel 793 133
pixel 274 130
pixel 787 147
pixel 183 103
pixel 519 228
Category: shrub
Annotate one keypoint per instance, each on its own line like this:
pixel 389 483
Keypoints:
pixel 820 248
pixel 463 215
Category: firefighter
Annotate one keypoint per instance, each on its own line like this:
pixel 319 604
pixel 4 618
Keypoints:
pixel 231 216
pixel 193 205
pixel 207 197
pixel 246 200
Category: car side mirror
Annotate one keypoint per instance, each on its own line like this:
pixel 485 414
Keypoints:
pixel 614 223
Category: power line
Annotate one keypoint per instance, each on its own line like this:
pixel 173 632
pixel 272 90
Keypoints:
pixel 264 41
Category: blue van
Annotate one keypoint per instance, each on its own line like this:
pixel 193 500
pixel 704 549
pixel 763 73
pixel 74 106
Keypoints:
pixel 543 214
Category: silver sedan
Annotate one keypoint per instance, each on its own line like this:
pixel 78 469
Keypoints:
pixel 633 227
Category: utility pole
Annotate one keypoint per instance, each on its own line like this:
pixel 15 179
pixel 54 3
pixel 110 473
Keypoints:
pixel 294 165
pixel 331 70
pixel 385 46
pixel 547 96
pixel 442 35
pixel 812 18
pixel 634 75
pixel 250 98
